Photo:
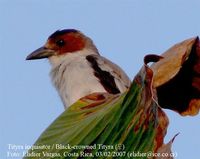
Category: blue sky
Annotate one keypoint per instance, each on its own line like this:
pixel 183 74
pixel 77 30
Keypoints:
pixel 124 31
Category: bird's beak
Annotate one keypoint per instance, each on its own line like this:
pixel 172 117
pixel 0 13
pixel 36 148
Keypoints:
pixel 40 53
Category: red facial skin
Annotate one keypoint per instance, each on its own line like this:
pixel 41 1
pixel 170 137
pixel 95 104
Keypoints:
pixel 72 42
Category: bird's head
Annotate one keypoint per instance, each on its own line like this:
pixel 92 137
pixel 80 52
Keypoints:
pixel 62 42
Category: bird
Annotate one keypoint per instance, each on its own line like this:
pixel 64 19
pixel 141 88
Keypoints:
pixel 78 69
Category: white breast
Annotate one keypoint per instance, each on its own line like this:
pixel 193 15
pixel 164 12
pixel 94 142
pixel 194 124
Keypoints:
pixel 74 77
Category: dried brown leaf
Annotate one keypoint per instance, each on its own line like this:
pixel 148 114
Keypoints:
pixel 177 77
pixel 164 152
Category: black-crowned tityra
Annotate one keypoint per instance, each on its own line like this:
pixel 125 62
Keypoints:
pixel 77 67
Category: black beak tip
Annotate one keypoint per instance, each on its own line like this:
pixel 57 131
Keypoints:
pixel 28 58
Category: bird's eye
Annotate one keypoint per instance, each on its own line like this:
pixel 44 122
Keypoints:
pixel 60 43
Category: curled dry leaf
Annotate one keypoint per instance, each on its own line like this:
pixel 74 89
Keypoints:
pixel 164 152
pixel 177 77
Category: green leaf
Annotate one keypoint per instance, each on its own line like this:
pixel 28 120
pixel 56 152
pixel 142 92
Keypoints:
pixel 125 123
